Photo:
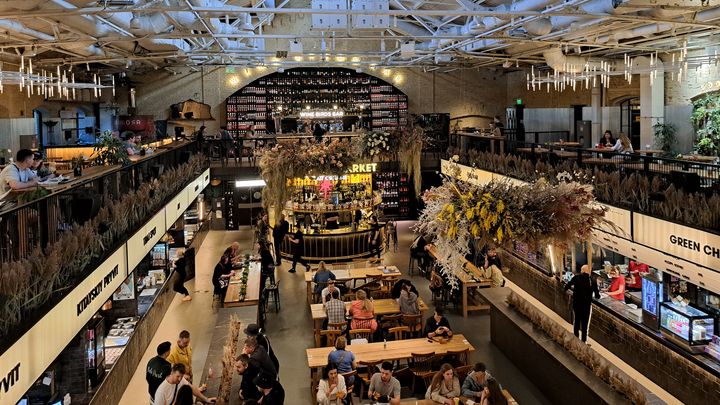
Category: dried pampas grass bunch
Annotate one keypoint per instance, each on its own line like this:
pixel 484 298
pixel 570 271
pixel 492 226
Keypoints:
pixel 617 380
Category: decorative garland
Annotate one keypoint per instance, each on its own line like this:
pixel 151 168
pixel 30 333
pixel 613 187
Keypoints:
pixel 243 281
pixel 498 213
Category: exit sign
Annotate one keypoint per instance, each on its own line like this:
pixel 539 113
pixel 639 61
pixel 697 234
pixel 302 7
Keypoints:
pixel 229 69
pixel 518 101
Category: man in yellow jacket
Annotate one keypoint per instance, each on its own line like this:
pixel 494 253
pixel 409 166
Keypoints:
pixel 181 353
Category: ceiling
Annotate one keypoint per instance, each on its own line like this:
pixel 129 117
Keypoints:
pixel 140 35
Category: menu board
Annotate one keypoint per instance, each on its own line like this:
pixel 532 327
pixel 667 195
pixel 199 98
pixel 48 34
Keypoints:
pixel 650 296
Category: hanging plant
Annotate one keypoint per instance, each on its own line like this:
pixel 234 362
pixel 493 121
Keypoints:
pixel 412 142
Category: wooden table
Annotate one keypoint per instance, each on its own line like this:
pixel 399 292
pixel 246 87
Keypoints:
pixel 565 154
pixel 561 144
pixel 649 152
pixel 385 306
pixel 506 393
pixel 352 274
pixel 537 150
pixel 252 293
pixel 491 138
pixel 469 281
pixel 699 158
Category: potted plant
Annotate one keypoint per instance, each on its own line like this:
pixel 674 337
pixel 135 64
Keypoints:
pixel 110 151
pixel 706 147
pixel 665 137
pixel 5 155
pixel 77 165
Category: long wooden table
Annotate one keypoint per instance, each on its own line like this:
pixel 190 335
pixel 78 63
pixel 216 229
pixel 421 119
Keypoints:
pixel 506 394
pixel 252 292
pixel 385 306
pixel 352 274
pixel 470 281
pixel 490 138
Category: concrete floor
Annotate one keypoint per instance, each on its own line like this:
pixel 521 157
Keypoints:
pixel 290 331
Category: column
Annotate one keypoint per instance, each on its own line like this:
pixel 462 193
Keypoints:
pixel 597 115
pixel 652 99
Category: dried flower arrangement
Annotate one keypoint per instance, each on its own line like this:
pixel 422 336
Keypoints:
pixel 29 283
pixel 228 360
pixel 538 214
pixel 617 380
pixel 374 144
pixel 412 142
pixel 645 194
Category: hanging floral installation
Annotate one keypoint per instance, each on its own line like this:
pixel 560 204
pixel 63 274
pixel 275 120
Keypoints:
pixel 541 213
pixel 411 143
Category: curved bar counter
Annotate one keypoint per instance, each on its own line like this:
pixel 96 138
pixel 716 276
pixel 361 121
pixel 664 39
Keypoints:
pixel 333 245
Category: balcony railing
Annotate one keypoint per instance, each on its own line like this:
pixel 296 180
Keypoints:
pixel 680 190
pixel 49 245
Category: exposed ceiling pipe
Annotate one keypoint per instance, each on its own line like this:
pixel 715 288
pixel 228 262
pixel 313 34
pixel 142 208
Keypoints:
pixel 642 31
pixel 80 48
pixel 556 59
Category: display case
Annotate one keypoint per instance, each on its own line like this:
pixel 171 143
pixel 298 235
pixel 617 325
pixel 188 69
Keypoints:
pixel 689 327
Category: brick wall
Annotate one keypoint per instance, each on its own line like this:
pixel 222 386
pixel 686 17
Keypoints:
pixel 680 377
pixel 699 81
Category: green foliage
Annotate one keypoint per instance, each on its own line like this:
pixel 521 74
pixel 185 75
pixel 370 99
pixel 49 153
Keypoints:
pixel 28 196
pixel 706 147
pixel 110 151
pixel 665 137
pixel 706 120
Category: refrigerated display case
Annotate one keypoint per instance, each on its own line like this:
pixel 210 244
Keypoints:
pixel 689 327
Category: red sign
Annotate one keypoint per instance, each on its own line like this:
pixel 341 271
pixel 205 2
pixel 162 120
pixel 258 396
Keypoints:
pixel 140 124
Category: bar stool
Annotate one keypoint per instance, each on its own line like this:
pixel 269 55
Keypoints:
pixel 272 293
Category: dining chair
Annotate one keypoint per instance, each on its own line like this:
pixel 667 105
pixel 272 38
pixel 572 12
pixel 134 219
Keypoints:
pixel 337 326
pixel 330 335
pixel 370 369
pixel 360 334
pixel 350 387
pixel 399 332
pixel 421 365
pixel 458 357
pixel 414 322
pixel 390 321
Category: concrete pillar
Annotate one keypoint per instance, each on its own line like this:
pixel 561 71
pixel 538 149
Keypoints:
pixel 652 100
pixel 597 115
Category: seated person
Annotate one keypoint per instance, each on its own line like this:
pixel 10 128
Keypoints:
pixel 397 288
pixel 492 394
pixel 385 388
pixel 321 278
pixel 408 301
pixel 419 250
pixel 494 273
pixel 332 389
pixel 18 175
pixel 132 143
pixel 362 311
pixel 437 325
pixel 492 259
pixel 444 386
pixel 325 293
pixel 344 359
pixel 39 168
pixel 334 308
pixel 475 382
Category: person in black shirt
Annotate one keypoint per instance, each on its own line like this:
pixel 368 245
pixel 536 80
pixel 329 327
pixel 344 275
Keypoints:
pixel 332 220
pixel 437 325
pixel 253 330
pixel 248 389
pixel 158 368
pixel 267 265
pixel 492 259
pixel 221 276
pixel 375 237
pixel 259 357
pixel 179 286
pixel 271 392
pixel 298 249
pixel 281 229
pixel 318 133
pixel 583 288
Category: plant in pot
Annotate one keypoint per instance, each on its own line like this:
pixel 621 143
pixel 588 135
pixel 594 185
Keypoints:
pixel 5 155
pixel 706 147
pixel 110 151
pixel 665 137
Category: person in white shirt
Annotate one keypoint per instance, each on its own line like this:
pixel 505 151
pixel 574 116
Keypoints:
pixel 168 389
pixel 332 390
pixel 18 175
pixel 623 144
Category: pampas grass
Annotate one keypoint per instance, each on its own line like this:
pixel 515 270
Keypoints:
pixel 228 360
pixel 582 352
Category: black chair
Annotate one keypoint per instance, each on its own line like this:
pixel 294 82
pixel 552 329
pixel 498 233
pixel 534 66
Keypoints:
pixel 686 181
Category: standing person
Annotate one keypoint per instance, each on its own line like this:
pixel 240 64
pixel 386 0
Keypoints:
pixel 184 396
pixel 168 389
pixel 475 382
pixel 271 391
pixel 492 394
pixel 180 270
pixel 259 358
pixel 181 353
pixel 267 264
pixel 318 132
pixel 158 368
pixel 583 288
pixel 499 127
pixel 18 175
pixel 617 285
pixel 253 330
pixel 391 234
pixel 221 278
pixel 248 389
pixel 375 238
pixel 263 227
pixel 444 386
pixel 298 249
pixel 281 229
pixel 385 388
pixel 332 389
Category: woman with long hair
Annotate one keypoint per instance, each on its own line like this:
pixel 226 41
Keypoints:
pixel 607 140
pixel 492 395
pixel 444 386
pixel 363 312
pixel 622 145
pixel 332 388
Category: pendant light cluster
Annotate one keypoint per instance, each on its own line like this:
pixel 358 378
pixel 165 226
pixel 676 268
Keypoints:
pixel 600 72
pixel 60 83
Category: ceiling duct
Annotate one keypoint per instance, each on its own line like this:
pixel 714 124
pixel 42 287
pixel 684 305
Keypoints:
pixel 556 59
pixel 538 26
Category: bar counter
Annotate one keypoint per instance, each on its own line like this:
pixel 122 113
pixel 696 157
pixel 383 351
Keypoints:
pixel 332 245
